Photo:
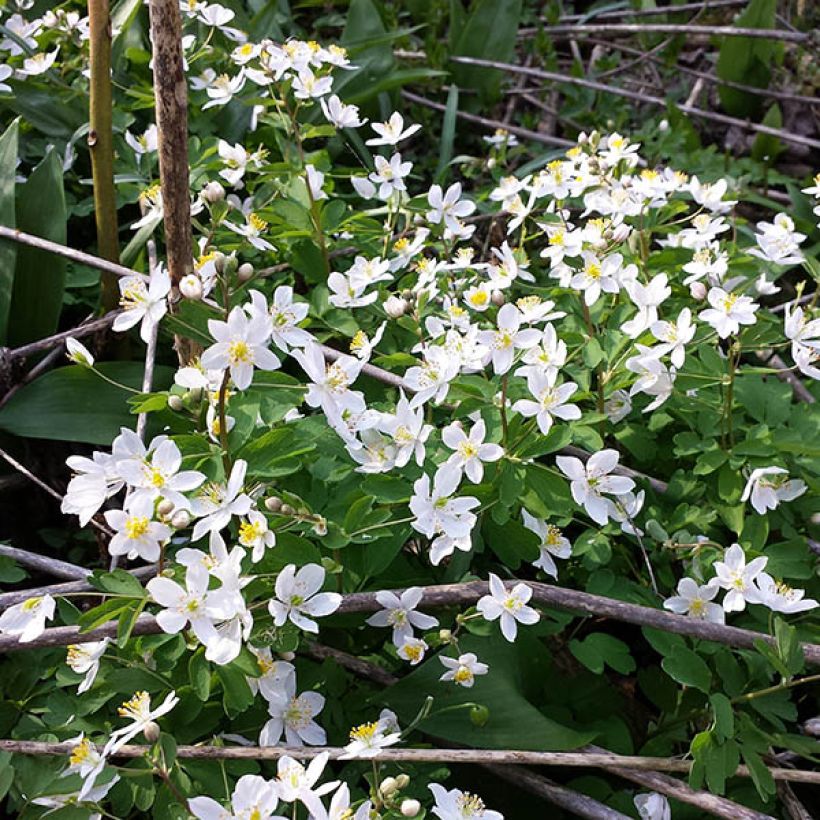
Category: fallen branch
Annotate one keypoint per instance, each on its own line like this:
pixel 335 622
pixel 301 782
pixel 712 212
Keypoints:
pixel 707 5
pixel 467 594
pixel 575 30
pixel 634 95
pixel 42 563
pixel 85 329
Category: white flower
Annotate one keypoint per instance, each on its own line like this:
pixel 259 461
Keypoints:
pixel 37 64
pixel 252 230
pixel 696 601
pixel 78 352
pixel 674 336
pixel 216 504
pixel 136 534
pixel 728 312
pixel 340 807
pixel 779 597
pixel 615 148
pixel 407 429
pixel 141 302
pixel 256 534
pixel 138 709
pixel 236 160
pixel 778 241
pixel 553 543
pixel 589 481
pixel 507 338
pixel 547 357
pixel 392 131
pixel 315 179
pixel 653 806
pixel 84 659
pixel 330 381
pixel 737 577
pixel 222 89
pixel 446 545
pixel 471 451
pixel 431 379
pixel 400 613
pixel 597 275
pixel 95 480
pixel 618 406
pixel 803 332
pixel 272 682
pixel 767 493
pixel 367 740
pixel 412 650
pixel 389 175
pixel 144 143
pixel 647 298
pixel 463 670
pixel 437 511
pixel 214 15
pixel 283 316
pixel 709 262
pixel 84 761
pixel 458 805
pixel 241 345
pixel 28 619
pixel 296 597
pixel 293 714
pixel 307 86
pixel 448 207
pixel 339 114
pixel 297 783
pixel 348 293
pixel 655 378
pixel 550 401
pixel 510 605
pixel 253 797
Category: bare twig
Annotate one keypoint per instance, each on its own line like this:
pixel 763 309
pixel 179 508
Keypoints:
pixel 575 30
pixel 101 144
pixel 51 566
pixel 467 594
pixel 795 809
pixel 614 14
pixel 538 73
pixel 85 329
pixel 490 125
pixel 8 599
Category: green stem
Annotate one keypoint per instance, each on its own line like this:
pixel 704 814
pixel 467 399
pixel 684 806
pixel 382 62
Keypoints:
pixel 770 690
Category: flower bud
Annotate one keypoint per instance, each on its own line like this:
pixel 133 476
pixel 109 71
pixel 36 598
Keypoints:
pixel 213 192
pixel 230 265
pixel 498 298
pixel 663 126
pixel 479 715
pixel 190 286
pixel 287 656
pixel 273 504
pixel 395 307
pixel 621 233
pixel 388 786
pixel 219 261
pixel 180 519
pixel 410 808
pixel 175 402
pixel 445 635
pixel 287 510
pixel 698 291
pixel 403 781
pixel 151 732
pixel 244 272
pixel 490 165
pixel 320 525
pixel 408 295
pixel 165 507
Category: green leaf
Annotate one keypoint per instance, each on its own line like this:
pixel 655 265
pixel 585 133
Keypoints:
pixel 689 669
pixel 767 148
pixel 724 716
pixel 199 673
pixel 39 277
pixel 599 649
pixel 118 582
pixel 511 541
pixel 237 695
pixel 8 250
pixel 448 133
pixel 761 776
pixel 514 721
pixel 274 453
pixel 74 404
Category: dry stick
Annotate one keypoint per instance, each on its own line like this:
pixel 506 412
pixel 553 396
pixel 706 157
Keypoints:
pixel 21 468
pixel 101 144
pixel 709 5
pixel 633 95
pixel 799 389
pixel 575 30
pixel 51 566
pixel 515 757
pixel 491 125
pixel 794 808
pixel 8 599
pixel 467 594
pixel 85 329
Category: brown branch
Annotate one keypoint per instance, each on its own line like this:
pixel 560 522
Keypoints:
pixel 51 566
pixel 634 95
pixel 465 595
pixel 491 125
pixel 101 145
pixel 629 29
pixel 85 329
pixel 707 5
pixel 801 392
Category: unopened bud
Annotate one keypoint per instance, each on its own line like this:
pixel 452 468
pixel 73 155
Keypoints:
pixel 230 265
pixel 621 233
pixel 498 298
pixel 180 520
pixel 219 261
pixel 287 510
pixel 244 272
pixel 663 126
pixel 273 504
pixel 395 307
pixel 287 656
pixel 320 525
pixel 175 402
pixel 698 291
pixel 151 731
pixel 812 727
pixel 388 786
pixel 445 635
pixel 408 295
pixel 165 507
pixel 213 192
pixel 403 781
pixel 410 808
pixel 490 166
pixel 190 286
pixel 479 715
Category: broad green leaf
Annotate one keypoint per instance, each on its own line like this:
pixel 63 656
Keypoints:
pixel 74 404
pixel 767 148
pixel 39 277
pixel 8 250
pixel 724 717
pixel 689 669
pixel 448 133
pixel 600 649
pixel 514 722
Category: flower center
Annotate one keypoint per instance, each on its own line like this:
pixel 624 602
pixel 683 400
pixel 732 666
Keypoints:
pixel 136 526
pixel 238 352
pixel 364 733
